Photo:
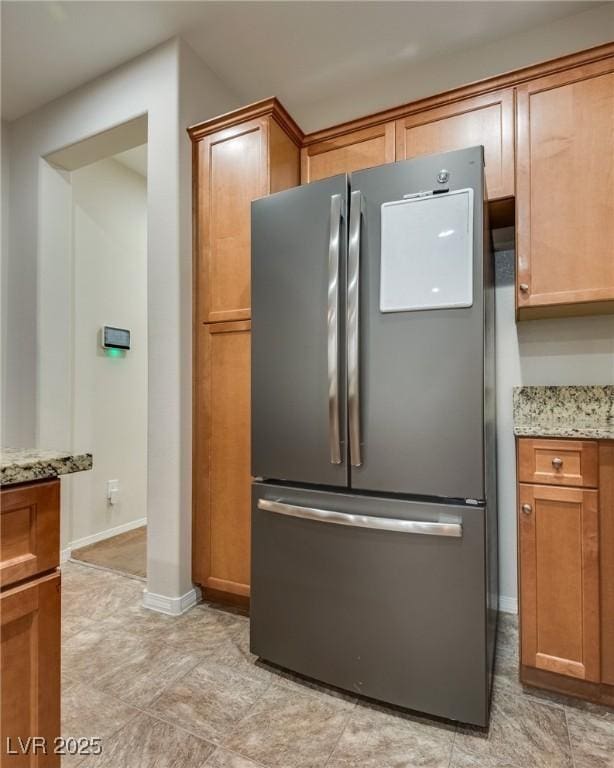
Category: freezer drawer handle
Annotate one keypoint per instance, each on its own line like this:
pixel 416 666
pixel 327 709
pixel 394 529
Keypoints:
pixel 454 530
pixel 333 329
pixel 353 327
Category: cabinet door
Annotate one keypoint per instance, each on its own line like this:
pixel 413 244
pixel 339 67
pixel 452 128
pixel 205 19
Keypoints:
pixel 486 120
pixel 559 580
pixel 221 532
pixel 29 531
pixel 231 171
pixel 352 151
pixel 606 548
pixel 565 188
pixel 30 663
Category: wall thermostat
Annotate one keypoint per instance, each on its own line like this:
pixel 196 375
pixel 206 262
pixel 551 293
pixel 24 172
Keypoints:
pixel 115 338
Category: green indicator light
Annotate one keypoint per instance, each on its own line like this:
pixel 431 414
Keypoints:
pixel 113 352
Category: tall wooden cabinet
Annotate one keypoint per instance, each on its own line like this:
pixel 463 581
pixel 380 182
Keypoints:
pixel 237 158
pixel 565 189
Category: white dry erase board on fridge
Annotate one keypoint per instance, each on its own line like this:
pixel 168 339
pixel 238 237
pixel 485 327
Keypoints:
pixel 427 252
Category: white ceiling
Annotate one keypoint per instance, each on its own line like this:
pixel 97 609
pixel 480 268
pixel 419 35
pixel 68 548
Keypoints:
pixel 303 52
pixel 134 159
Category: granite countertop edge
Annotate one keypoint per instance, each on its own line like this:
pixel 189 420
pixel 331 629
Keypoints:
pixel 572 411
pixel 29 465
pixel 535 429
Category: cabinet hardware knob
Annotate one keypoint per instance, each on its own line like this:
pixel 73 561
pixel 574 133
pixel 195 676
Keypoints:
pixel 557 463
pixel 524 287
pixel 527 509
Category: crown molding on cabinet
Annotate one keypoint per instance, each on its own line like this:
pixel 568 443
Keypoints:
pixel 267 107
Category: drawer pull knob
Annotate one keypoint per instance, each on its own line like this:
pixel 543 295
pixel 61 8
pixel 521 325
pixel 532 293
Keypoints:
pixel 527 509
pixel 557 463
pixel 524 287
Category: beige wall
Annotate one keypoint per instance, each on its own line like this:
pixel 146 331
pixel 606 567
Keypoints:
pixel 172 87
pixel 109 403
pixel 417 80
pixel 577 350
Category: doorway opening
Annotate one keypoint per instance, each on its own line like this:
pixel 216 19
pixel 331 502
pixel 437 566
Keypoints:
pixel 104 202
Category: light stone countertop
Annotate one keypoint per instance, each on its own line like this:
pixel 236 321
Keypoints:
pixel 24 465
pixel 570 411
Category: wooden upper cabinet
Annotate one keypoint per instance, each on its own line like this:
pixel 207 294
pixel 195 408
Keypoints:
pixel 347 152
pixel 487 119
pixel 237 158
pixel 559 580
pixel 565 191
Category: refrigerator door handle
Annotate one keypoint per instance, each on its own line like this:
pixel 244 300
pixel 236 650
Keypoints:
pixel 353 327
pixel 453 530
pixel 333 329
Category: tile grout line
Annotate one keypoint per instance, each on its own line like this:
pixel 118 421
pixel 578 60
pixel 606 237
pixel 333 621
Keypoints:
pixel 244 716
pixel 351 714
pixel 450 759
pixel 236 754
pixel 115 731
pixel 571 749
pixel 160 719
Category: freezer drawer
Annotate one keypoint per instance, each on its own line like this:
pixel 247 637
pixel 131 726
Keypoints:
pixel 383 597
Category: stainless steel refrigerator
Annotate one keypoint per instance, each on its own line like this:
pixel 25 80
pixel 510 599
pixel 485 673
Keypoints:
pixel 374 522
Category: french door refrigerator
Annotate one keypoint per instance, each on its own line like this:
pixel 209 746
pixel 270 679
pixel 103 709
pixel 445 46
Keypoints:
pixel 374 533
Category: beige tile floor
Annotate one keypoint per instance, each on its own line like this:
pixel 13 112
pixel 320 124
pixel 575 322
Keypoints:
pixel 185 693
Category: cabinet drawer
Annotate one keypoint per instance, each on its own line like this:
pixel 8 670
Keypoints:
pixel 558 462
pixel 29 531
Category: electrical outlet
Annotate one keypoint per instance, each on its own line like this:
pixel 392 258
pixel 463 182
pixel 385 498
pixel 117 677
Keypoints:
pixel 112 491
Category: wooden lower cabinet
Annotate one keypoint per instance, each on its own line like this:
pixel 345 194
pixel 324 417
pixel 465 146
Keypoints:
pixel 222 510
pixel 566 569
pixel 30 672
pixel 559 580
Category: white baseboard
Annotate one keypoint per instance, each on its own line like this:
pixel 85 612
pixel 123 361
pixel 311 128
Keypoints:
pixel 173 606
pixel 508 604
pixel 101 536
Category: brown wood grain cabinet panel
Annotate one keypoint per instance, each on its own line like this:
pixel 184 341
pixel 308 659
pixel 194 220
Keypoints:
pixel 352 151
pixel 558 462
pixel 284 160
pixel 223 501
pixel 237 158
pixel 565 189
pixel 559 580
pixel 232 168
pixel 30 664
pixel 487 119
pixel 606 535
pixel 29 530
